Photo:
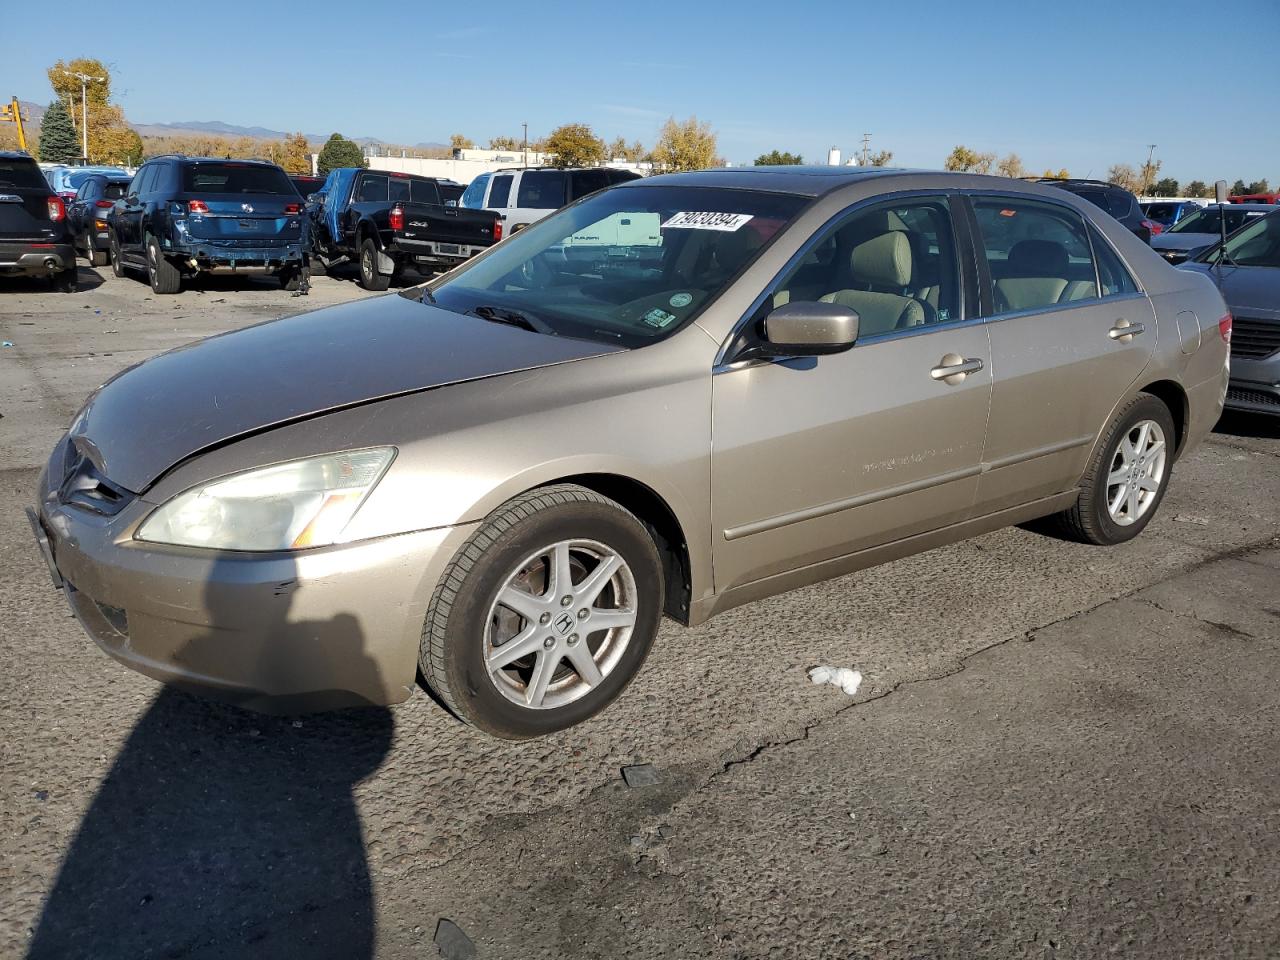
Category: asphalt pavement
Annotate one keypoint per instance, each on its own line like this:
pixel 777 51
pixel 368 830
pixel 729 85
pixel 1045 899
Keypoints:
pixel 1056 750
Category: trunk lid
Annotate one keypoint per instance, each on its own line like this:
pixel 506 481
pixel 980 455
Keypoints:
pixel 448 224
pixel 239 200
pixel 155 415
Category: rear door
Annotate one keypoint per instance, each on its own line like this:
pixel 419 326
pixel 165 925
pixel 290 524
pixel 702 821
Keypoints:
pixel 240 202
pixel 24 203
pixel 1060 357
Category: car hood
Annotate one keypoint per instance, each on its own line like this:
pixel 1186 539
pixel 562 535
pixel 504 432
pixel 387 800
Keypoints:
pixel 1248 291
pixel 156 414
pixel 1182 241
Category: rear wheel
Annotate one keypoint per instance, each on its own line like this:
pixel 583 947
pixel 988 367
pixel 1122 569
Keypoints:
pixel 97 258
pixel 164 276
pixel 545 614
pixel 290 278
pixel 370 278
pixel 1127 477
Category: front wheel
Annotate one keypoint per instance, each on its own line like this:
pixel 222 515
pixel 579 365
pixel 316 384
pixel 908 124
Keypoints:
pixel 1127 477
pixel 117 261
pixel 545 614
pixel 370 278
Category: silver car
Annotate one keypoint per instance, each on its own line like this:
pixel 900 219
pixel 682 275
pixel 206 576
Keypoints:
pixel 672 397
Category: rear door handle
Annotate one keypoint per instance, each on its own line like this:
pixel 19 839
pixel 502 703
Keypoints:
pixel 953 368
pixel 1125 331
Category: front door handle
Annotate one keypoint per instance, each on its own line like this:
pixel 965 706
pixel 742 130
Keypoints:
pixel 1124 331
pixel 953 368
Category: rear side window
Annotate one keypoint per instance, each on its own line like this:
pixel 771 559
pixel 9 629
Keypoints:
pixel 1115 278
pixel 501 191
pixel 1119 204
pixel 1038 254
pixel 473 196
pixel 235 178
pixel 22 173
pixel 541 190
pixel 373 189
pixel 583 182
pixel 424 191
pixel 1096 197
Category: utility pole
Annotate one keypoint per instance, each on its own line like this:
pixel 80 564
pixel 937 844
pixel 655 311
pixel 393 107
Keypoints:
pixel 85 80
pixel 1146 180
pixel 526 143
pixel 866 145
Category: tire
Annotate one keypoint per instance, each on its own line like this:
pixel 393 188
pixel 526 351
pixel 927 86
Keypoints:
pixel 66 281
pixel 370 278
pixel 165 277
pixel 290 278
pixel 1091 519
pixel 117 260
pixel 465 617
pixel 97 258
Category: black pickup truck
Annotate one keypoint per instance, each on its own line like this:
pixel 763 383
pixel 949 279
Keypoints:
pixel 33 225
pixel 386 221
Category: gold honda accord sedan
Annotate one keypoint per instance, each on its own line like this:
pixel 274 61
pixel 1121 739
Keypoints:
pixel 674 396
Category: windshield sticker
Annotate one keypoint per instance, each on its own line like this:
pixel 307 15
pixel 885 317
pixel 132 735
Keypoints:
pixel 681 299
pixel 727 222
pixel 657 317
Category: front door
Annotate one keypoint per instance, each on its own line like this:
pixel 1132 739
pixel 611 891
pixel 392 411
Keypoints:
pixel 817 458
pixel 1070 333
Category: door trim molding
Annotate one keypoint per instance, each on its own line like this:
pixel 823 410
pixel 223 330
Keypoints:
pixel 862 500
pixel 848 503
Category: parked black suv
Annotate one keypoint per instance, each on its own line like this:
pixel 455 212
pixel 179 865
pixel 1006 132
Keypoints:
pixel 184 216
pixel 1114 199
pixel 33 224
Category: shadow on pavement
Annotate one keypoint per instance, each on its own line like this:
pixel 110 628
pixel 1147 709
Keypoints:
pixel 1239 423
pixel 87 278
pixel 223 833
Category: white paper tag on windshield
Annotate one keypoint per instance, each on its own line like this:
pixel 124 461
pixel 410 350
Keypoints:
pixel 728 222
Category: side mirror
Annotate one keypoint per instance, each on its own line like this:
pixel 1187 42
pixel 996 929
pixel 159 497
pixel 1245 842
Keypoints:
pixel 808 329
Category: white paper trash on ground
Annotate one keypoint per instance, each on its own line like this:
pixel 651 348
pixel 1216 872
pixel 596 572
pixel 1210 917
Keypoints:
pixel 842 677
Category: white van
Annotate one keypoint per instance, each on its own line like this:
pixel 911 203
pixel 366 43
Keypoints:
pixel 522 196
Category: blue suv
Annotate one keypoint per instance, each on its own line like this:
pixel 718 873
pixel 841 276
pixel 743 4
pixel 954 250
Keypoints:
pixel 184 216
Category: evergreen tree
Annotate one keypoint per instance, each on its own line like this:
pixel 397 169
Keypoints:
pixel 337 152
pixel 58 141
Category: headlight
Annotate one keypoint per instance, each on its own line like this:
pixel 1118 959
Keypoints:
pixel 305 503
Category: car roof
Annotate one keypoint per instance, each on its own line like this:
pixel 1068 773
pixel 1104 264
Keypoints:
pixel 186 159
pixel 817 181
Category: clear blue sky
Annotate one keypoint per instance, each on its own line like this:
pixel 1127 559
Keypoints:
pixel 1077 84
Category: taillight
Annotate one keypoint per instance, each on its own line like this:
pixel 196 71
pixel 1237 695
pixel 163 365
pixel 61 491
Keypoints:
pixel 197 206
pixel 293 208
pixel 56 210
pixel 397 218
pixel 1224 329
pixel 103 204
pixel 1155 228
pixel 497 230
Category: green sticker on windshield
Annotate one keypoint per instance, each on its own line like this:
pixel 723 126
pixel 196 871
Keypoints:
pixel 657 317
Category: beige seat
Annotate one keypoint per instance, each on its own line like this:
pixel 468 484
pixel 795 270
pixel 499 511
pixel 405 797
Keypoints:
pixel 881 264
pixel 1037 276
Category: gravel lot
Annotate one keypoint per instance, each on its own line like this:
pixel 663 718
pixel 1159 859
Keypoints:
pixel 1057 750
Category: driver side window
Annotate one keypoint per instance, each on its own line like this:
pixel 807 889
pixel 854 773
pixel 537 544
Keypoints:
pixel 894 263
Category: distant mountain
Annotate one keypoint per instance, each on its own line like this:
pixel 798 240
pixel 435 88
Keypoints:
pixel 220 128
pixel 216 127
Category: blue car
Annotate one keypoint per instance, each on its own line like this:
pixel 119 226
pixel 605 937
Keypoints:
pixel 66 181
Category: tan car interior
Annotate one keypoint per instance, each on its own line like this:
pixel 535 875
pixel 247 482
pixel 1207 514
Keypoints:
pixel 877 265
pixel 1038 274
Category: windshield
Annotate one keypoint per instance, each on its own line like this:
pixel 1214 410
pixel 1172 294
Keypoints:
pixel 1257 245
pixel 1207 221
pixel 1163 212
pixel 235 178
pixel 628 265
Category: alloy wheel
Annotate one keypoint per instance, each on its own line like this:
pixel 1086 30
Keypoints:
pixel 560 623
pixel 1136 472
